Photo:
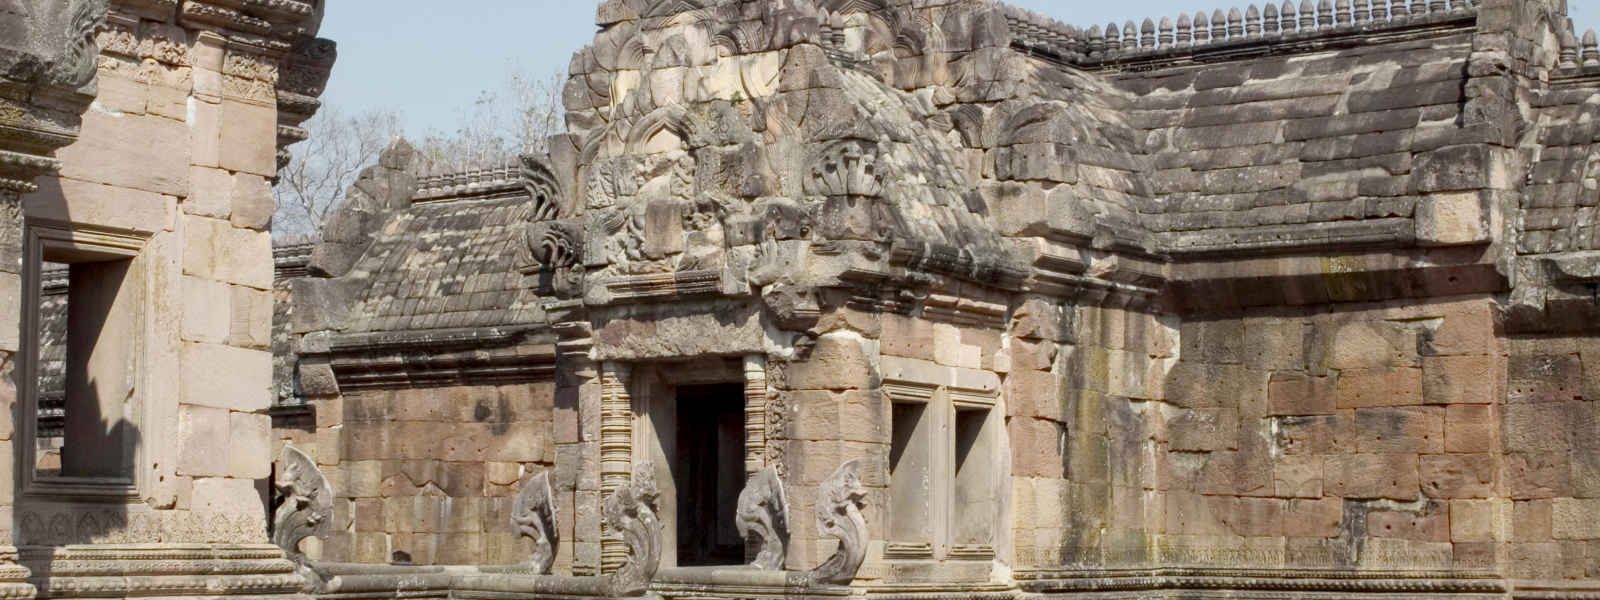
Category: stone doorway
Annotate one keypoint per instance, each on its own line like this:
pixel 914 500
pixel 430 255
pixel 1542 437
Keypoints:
pixel 708 471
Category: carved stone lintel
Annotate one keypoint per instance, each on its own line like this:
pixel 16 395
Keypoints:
pixel 839 502
pixel 631 511
pixel 764 515
pixel 533 514
pixel 305 502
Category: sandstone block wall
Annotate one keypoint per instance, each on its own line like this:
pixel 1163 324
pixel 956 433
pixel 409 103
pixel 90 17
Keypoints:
pixel 426 475
pixel 157 162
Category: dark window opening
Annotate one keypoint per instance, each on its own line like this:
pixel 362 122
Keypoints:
pixel 87 324
pixel 709 474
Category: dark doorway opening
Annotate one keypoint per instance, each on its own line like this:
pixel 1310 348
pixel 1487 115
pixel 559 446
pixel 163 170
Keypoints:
pixel 709 473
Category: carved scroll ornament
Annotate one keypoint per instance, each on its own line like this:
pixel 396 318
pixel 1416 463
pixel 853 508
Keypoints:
pixel 839 502
pixel 763 518
pixel 631 511
pixel 305 502
pixel 533 514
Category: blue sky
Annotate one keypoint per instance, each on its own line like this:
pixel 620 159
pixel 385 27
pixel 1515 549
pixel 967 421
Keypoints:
pixel 428 60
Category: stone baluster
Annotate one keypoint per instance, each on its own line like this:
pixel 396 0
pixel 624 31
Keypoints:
pixel 1165 40
pixel 1341 13
pixel 1147 34
pixel 1219 25
pixel 1097 42
pixel 1269 20
pixel 1380 11
pixel 1419 8
pixel 1291 24
pixel 1202 29
pixel 1235 23
pixel 1569 50
pixel 1252 21
pixel 1437 6
pixel 1080 42
pixel 1398 9
pixel 1591 49
pixel 1363 11
pixel 1185 36
pixel 1113 40
pixel 1325 14
pixel 1130 37
pixel 1308 16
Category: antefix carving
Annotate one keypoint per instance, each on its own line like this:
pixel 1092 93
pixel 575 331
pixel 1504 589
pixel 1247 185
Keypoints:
pixel 763 518
pixel 631 511
pixel 533 514
pixel 839 502
pixel 305 502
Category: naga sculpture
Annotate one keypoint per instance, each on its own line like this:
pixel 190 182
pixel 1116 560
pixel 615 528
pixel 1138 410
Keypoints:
pixel 839 504
pixel 305 502
pixel 631 511
pixel 764 514
pixel 533 514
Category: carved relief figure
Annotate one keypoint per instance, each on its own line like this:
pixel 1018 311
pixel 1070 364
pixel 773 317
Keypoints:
pixel 839 502
pixel 631 511
pixel 305 502
pixel 763 518
pixel 533 514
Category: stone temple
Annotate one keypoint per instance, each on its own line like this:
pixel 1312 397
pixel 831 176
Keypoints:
pixel 890 299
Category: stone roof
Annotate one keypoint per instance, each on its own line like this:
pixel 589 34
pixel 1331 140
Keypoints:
pixel 444 265
pixel 1297 127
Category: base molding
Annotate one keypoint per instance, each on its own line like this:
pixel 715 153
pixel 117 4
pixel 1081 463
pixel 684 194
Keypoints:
pixel 1265 583
pixel 161 570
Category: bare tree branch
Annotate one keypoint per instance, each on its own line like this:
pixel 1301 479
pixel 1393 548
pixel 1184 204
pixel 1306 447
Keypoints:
pixel 323 167
pixel 515 118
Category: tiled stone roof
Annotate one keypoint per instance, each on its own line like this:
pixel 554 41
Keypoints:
pixel 445 265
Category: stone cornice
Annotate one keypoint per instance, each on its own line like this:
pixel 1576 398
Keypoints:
pixel 479 356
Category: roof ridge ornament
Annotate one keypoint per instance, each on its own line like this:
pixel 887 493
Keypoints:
pixel 1152 37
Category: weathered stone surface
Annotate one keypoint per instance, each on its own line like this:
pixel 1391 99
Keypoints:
pixel 1246 303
